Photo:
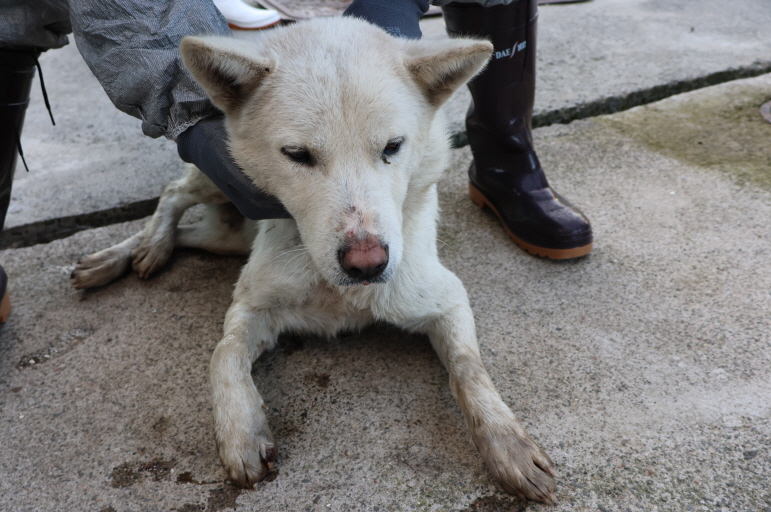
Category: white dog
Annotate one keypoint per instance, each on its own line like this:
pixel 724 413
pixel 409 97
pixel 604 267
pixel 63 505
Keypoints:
pixel 341 122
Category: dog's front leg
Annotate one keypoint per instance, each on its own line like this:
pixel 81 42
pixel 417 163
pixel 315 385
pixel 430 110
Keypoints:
pixel 244 441
pixel 511 455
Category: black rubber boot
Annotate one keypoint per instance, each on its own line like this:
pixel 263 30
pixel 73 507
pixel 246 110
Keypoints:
pixel 17 68
pixel 506 175
pixel 5 300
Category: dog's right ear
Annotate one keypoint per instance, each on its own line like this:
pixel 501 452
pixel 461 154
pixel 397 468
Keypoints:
pixel 224 68
pixel 440 69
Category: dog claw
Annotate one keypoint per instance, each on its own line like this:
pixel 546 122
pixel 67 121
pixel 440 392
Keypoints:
pixel 147 260
pixel 246 475
pixel 99 269
pixel 246 448
pixel 518 463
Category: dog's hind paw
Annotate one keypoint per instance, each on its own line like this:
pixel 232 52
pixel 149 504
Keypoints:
pixel 518 464
pixel 100 268
pixel 150 257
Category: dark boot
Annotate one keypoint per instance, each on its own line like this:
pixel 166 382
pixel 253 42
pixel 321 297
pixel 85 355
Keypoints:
pixel 17 68
pixel 5 299
pixel 506 175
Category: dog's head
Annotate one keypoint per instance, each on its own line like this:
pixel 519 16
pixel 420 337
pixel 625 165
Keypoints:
pixel 338 120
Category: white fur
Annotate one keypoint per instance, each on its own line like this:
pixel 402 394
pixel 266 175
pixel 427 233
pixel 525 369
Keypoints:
pixel 342 89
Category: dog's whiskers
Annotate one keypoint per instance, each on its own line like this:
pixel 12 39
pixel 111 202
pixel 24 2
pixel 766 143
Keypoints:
pixel 291 258
pixel 297 249
pixel 301 271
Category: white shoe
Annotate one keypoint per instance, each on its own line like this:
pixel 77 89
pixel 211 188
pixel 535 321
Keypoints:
pixel 242 16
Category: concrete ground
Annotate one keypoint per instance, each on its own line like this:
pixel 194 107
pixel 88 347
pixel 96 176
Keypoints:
pixel 642 369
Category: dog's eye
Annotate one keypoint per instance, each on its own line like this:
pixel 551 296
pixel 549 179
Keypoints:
pixel 393 146
pixel 299 154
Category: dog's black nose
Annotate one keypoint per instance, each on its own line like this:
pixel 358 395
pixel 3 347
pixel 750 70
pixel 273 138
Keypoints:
pixel 364 260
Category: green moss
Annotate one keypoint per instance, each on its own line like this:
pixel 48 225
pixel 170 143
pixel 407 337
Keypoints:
pixel 718 128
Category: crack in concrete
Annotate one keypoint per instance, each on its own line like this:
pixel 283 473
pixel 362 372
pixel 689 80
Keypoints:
pixel 46 231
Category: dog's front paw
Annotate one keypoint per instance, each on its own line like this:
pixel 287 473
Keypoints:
pixel 246 448
pixel 516 461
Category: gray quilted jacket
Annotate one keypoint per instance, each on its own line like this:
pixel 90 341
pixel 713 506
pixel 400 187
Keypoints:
pixel 130 46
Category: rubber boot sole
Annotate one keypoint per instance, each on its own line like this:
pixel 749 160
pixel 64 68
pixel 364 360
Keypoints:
pixel 5 307
pixel 479 199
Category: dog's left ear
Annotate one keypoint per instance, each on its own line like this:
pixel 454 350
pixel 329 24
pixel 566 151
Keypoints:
pixel 440 69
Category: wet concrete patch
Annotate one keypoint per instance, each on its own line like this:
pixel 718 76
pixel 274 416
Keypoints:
pixel 223 497
pixel 124 475
pixel 186 477
pixel 161 427
pixel 129 473
pixel 191 507
pixel 220 498
pixel 158 469
pixel 319 379
pixel 497 504
pixel 62 345
pixel 709 130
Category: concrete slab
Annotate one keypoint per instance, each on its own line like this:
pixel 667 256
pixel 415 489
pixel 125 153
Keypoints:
pixel 642 369
pixel 593 57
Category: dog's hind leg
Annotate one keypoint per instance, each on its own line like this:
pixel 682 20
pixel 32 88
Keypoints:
pixel 158 238
pixel 223 230
pixel 511 455
pixel 149 249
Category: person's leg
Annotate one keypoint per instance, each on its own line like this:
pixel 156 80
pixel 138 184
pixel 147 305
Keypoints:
pixel 397 17
pixel 17 68
pixel 506 174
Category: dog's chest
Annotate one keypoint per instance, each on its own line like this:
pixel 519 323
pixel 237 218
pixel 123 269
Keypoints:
pixel 331 310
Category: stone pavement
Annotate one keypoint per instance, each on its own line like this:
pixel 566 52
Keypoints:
pixel 642 369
